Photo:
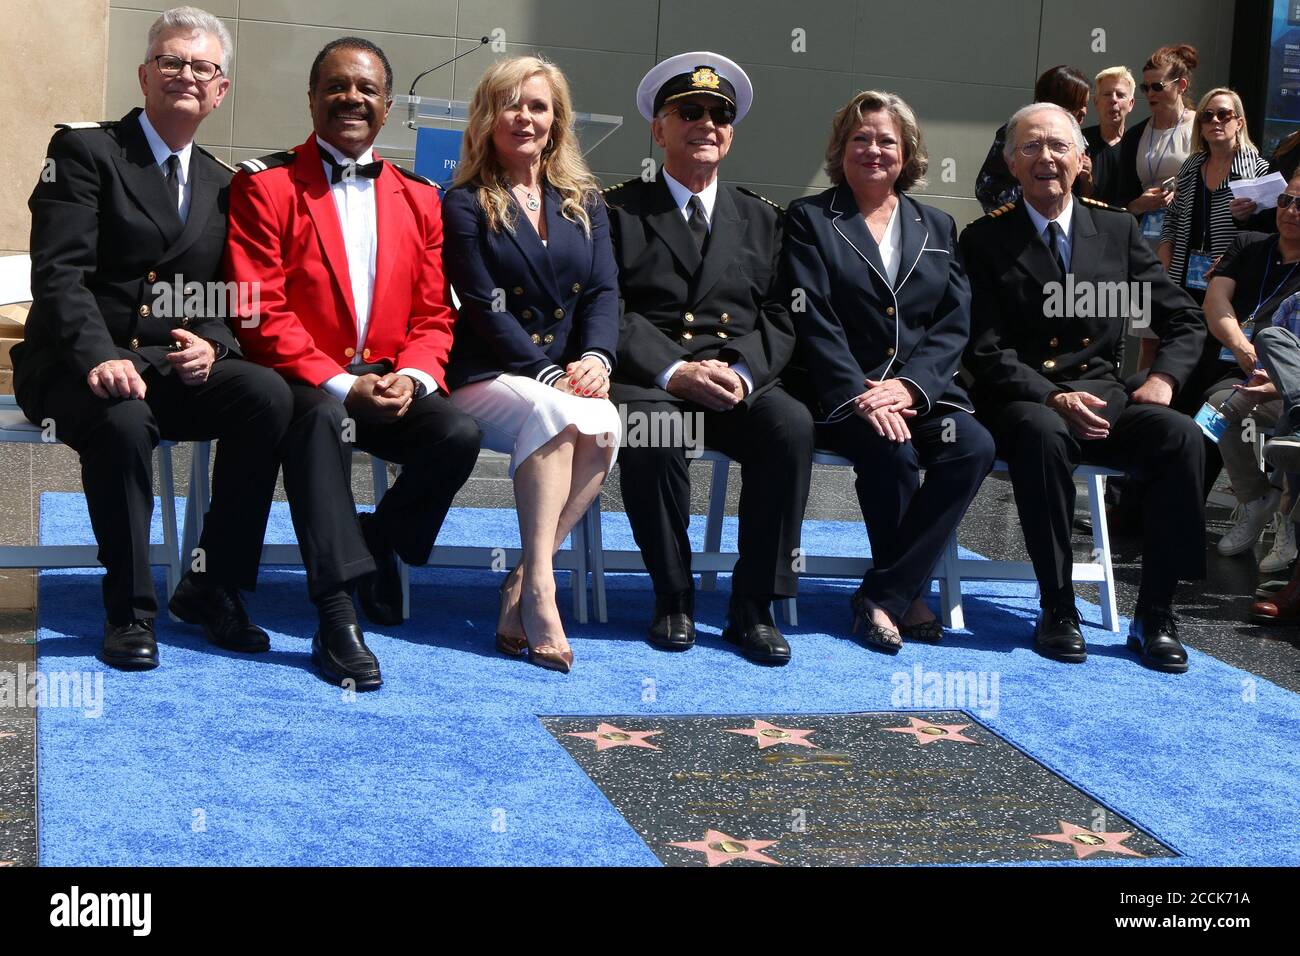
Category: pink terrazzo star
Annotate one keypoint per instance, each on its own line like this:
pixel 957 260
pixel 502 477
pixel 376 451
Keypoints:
pixel 607 735
pixel 928 733
pixel 769 735
pixel 718 848
pixel 1086 842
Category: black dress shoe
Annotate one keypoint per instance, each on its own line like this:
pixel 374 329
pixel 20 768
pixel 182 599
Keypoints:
pixel 751 628
pixel 1057 635
pixel 219 610
pixel 341 655
pixel 1153 636
pixel 130 647
pixel 673 628
pixel 381 590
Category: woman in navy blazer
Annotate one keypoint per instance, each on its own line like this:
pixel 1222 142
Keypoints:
pixel 526 247
pixel 886 315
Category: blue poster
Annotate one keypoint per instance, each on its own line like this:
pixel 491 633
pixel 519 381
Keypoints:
pixel 437 151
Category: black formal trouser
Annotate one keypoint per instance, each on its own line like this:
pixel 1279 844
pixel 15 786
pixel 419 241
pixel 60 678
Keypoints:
pixel 772 439
pixel 243 406
pixel 1160 447
pixel 435 444
pixel 908 522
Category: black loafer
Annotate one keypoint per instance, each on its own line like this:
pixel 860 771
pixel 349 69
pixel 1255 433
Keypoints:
pixel 673 628
pixel 1153 636
pixel 751 628
pixel 341 656
pixel 130 647
pixel 1058 637
pixel 380 591
pixel 219 610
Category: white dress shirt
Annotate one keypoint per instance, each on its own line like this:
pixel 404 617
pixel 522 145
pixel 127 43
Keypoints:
pixel 160 153
pixel 1066 242
pixel 354 201
pixel 891 245
pixel 708 196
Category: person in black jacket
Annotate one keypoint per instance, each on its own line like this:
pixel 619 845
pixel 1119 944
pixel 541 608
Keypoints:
pixel 118 353
pixel 706 334
pixel 887 317
pixel 526 246
pixel 1053 281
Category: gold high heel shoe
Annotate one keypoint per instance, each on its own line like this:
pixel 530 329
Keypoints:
pixel 546 656
pixel 511 645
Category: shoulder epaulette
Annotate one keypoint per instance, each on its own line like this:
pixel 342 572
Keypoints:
pixel 1099 204
pixel 101 124
pixel 415 176
pixel 750 192
pixel 1004 208
pixel 217 159
pixel 263 163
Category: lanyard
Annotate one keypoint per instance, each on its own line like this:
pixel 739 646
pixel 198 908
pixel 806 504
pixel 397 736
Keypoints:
pixel 1151 169
pixel 1268 267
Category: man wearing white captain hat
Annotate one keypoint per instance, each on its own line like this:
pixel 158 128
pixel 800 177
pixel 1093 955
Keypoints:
pixel 705 331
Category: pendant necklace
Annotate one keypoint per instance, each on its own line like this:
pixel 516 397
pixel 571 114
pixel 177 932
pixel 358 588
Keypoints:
pixel 533 203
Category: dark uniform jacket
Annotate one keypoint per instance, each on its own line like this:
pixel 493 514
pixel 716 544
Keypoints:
pixel 556 302
pixel 678 305
pixel 854 324
pixel 1034 334
pixel 107 245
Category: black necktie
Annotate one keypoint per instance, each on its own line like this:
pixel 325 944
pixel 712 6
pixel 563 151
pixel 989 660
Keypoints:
pixel 173 176
pixel 699 223
pixel 341 171
pixel 1054 236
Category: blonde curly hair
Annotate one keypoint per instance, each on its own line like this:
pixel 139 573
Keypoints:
pixel 562 163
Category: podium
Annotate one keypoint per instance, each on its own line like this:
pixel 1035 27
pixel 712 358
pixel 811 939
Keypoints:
pixel 425 133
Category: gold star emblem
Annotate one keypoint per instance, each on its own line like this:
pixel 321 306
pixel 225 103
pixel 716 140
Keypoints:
pixel 705 77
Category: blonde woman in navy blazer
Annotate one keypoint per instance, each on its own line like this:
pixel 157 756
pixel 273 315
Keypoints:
pixel 527 250
pixel 886 319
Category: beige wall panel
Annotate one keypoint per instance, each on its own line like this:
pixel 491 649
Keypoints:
pixel 763 31
pixel 424 17
pixel 626 26
pixel 992 42
pixel 56 52
pixel 222 8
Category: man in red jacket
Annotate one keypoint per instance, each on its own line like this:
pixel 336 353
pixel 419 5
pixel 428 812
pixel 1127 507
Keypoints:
pixel 346 251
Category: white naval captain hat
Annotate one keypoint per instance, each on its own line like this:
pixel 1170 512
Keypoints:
pixel 692 74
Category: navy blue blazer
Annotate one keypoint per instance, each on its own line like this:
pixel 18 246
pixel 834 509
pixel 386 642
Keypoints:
pixel 855 325
pixel 526 308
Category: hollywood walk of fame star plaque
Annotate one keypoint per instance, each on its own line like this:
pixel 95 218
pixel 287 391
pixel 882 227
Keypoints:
pixel 840 790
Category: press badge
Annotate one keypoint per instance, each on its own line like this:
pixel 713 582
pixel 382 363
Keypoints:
pixel 1248 330
pixel 1198 269
pixel 1212 422
pixel 1153 223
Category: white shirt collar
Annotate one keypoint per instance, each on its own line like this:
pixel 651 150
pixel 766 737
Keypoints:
pixel 1040 221
pixel 682 195
pixel 367 157
pixel 161 150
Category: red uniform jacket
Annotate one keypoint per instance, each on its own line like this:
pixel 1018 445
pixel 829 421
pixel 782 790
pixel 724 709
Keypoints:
pixel 285 235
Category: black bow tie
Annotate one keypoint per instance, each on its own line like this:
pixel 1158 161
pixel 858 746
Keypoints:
pixel 341 171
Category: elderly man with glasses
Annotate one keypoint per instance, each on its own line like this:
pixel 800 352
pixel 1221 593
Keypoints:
pixel 1048 325
pixel 129 222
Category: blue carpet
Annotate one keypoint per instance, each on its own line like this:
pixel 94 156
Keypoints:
pixel 221 759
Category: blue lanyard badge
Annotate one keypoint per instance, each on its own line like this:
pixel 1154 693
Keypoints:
pixel 1153 223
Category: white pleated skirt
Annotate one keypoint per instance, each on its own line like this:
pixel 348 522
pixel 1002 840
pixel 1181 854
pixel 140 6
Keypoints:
pixel 518 415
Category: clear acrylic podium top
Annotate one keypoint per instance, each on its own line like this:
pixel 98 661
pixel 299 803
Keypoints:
pixel 397 139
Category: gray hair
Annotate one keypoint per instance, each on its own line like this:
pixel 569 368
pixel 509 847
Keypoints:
pixel 192 18
pixel 1009 148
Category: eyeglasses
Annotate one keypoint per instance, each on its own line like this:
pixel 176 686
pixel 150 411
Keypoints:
pixel 1222 115
pixel 1057 147
pixel 691 112
pixel 202 70
pixel 1156 87
pixel 1287 200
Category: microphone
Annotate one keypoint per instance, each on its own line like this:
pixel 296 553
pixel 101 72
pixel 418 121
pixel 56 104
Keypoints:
pixel 410 106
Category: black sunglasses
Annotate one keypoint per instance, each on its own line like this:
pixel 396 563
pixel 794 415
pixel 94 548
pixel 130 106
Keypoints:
pixel 1156 87
pixel 691 112
pixel 1287 200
